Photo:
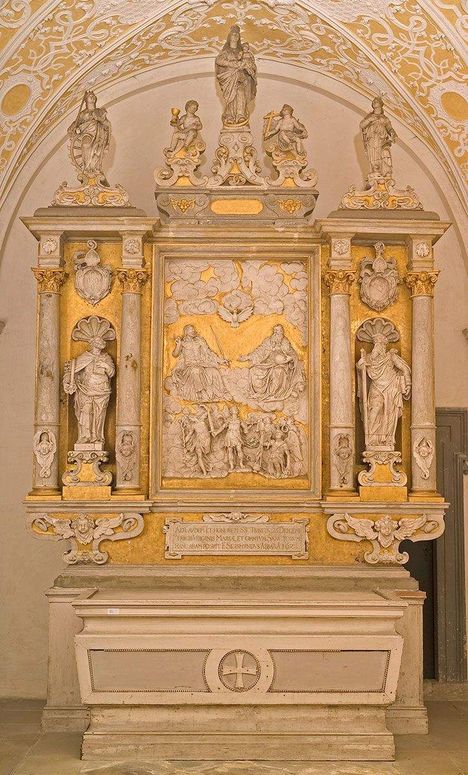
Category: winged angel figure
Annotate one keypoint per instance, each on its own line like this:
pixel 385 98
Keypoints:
pixel 84 530
pixel 385 535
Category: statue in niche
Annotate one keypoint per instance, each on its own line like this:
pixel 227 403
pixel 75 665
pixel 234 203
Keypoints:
pixel 384 380
pixel 287 131
pixel 378 136
pixel 196 377
pixel 88 378
pixel 44 448
pixel 236 73
pixel 187 128
pixel 89 139
pixel 277 372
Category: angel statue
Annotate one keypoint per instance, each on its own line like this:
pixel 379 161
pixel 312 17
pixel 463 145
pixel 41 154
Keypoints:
pixel 284 132
pixel 384 380
pixel 236 73
pixel 378 136
pixel 384 534
pixel 89 139
pixel 88 378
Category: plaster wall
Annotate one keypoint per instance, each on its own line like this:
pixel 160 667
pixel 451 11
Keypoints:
pixel 140 112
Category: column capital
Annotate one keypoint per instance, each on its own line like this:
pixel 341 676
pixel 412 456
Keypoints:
pixel 421 283
pixel 132 280
pixel 49 280
pixel 339 280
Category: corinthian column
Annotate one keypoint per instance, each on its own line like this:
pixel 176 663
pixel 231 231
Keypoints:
pixel 127 446
pixel 423 430
pixel 339 281
pixel 47 406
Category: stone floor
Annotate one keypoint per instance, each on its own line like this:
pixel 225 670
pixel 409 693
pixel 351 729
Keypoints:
pixel 25 751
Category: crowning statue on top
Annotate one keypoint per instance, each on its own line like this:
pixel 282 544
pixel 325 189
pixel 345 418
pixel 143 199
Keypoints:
pixel 89 138
pixel 378 136
pixel 236 73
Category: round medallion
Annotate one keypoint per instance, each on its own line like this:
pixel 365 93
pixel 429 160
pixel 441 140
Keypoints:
pixel 239 671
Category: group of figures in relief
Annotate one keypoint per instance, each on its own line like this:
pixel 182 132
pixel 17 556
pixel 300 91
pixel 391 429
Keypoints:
pixel 245 413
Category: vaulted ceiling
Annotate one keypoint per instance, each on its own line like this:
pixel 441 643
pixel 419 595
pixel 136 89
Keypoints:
pixel 409 52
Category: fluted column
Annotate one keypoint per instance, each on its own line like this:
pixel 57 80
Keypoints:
pixel 127 446
pixel 47 399
pixel 341 432
pixel 423 429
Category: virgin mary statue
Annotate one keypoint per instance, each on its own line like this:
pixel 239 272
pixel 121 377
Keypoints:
pixel 237 77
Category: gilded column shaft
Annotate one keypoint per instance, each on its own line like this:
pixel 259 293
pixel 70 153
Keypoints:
pixel 47 398
pixel 423 397
pixel 129 377
pixel 341 388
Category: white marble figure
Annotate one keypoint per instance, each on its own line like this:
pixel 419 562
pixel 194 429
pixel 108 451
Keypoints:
pixel 236 73
pixel 213 442
pixel 187 130
pixel 343 457
pixel 276 373
pixel 196 376
pixel 44 448
pixel 285 132
pixel 88 378
pixel 89 139
pixel 384 380
pixel 125 452
pixel 378 136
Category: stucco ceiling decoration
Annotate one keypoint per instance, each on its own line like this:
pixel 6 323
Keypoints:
pixel 410 52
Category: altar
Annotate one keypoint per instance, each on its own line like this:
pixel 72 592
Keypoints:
pixel 234 433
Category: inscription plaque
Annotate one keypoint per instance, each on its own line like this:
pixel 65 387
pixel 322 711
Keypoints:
pixel 236 534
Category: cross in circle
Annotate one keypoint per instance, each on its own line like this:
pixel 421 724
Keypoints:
pixel 239 670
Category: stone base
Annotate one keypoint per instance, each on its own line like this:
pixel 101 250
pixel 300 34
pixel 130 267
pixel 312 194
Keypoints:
pixel 65 719
pixel 294 733
pixel 407 721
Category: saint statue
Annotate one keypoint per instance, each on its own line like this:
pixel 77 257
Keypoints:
pixel 384 380
pixel 89 139
pixel 88 378
pixel 285 132
pixel 277 372
pixel 236 73
pixel 378 136
pixel 197 377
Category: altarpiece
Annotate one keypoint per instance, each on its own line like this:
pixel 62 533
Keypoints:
pixel 234 432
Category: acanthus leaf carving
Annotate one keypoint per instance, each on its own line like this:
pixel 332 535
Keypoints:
pixel 49 280
pixel 421 283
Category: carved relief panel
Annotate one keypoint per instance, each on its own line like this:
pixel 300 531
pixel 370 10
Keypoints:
pixel 237 372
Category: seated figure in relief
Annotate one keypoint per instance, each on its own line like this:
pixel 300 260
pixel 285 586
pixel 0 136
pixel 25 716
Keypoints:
pixel 196 376
pixel 277 372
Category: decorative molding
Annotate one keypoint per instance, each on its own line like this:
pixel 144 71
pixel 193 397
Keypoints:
pixel 381 458
pixel 343 458
pixel 44 448
pixel 126 453
pixel 421 283
pixel 132 280
pixel 339 280
pixel 423 451
pixel 381 195
pixel 385 533
pixel 86 533
pixel 49 280
pixel 86 469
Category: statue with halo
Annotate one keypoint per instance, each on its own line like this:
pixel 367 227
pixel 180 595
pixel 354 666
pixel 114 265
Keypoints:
pixel 89 138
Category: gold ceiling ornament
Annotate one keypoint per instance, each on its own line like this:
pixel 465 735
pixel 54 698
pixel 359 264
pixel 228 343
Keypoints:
pixel 379 49
pixel 89 137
